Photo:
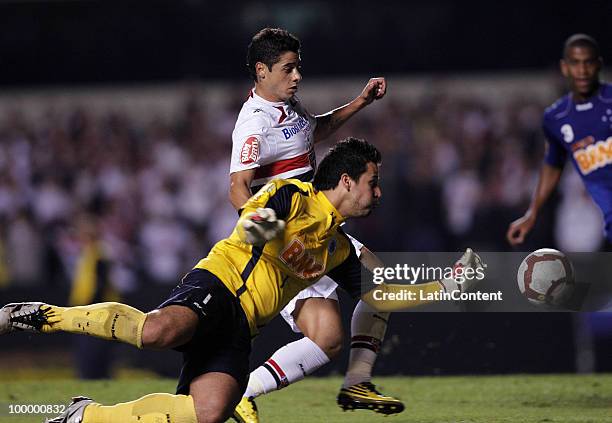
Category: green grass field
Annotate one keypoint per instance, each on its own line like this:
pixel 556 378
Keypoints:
pixel 492 399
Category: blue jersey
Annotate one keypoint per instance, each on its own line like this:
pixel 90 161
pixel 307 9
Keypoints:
pixel 583 131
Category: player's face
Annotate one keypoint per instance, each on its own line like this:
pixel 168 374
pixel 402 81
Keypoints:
pixel 366 192
pixel 581 67
pixel 281 82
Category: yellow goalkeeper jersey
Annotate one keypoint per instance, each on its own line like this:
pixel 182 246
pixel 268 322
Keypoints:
pixel 266 278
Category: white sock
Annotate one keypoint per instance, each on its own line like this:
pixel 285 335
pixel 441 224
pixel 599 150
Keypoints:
pixel 289 364
pixel 368 329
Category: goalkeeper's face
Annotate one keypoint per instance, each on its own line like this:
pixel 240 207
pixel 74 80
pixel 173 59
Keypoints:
pixel 365 192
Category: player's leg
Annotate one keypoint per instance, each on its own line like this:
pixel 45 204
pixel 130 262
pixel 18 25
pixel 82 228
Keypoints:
pixel 315 313
pixel 319 320
pixel 368 329
pixel 211 399
pixel 215 396
pixel 315 307
pixel 168 327
pixel 111 321
pixel 216 360
pixel 151 408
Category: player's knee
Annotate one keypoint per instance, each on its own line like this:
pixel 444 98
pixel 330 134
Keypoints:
pixel 329 341
pixel 154 334
pixel 165 328
pixel 333 348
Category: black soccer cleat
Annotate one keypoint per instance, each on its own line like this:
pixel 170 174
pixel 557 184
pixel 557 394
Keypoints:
pixel 364 396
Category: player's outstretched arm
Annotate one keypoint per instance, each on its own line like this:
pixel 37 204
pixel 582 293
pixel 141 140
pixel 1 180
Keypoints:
pixel 389 297
pixel 329 122
pixel 369 260
pixel 240 187
pixel 547 182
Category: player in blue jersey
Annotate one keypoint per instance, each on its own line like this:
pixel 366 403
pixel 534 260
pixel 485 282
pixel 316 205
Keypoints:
pixel 579 126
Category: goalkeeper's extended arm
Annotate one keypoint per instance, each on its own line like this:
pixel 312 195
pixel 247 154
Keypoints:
pixel 375 297
pixel 378 297
pixel 260 226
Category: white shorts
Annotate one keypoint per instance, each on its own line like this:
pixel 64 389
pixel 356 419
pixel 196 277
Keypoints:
pixel 323 288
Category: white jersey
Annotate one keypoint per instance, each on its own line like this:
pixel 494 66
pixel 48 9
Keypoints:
pixel 276 139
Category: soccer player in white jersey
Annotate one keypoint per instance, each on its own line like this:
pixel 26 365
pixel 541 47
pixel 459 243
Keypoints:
pixel 274 137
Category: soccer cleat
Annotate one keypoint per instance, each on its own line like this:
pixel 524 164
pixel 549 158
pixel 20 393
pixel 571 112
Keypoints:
pixel 246 411
pixel 28 317
pixel 364 396
pixel 74 411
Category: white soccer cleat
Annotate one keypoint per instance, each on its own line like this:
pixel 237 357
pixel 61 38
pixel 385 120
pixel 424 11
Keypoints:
pixel 28 317
pixel 74 411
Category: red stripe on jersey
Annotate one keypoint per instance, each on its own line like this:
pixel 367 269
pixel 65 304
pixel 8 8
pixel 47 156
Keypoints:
pixel 277 368
pixel 281 166
pixel 283 114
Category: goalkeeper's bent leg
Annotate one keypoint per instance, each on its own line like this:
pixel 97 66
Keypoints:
pixel 151 408
pixel 368 329
pixel 111 321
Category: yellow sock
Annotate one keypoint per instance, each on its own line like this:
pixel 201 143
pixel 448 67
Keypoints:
pixel 112 321
pixel 152 408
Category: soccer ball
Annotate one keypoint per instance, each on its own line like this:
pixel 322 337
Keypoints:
pixel 546 277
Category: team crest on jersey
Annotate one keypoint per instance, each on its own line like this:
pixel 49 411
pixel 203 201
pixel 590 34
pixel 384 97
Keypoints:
pixel 249 153
pixel 333 245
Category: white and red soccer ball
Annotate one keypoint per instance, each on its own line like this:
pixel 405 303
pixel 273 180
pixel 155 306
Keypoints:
pixel 546 277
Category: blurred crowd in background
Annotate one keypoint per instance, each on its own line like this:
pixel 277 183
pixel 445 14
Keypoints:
pixel 153 194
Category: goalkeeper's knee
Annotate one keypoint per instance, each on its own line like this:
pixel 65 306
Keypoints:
pixel 169 327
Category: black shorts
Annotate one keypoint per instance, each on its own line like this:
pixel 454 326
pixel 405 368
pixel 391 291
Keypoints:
pixel 222 342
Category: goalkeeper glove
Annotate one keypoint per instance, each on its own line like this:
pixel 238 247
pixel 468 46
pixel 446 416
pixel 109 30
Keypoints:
pixel 461 282
pixel 259 227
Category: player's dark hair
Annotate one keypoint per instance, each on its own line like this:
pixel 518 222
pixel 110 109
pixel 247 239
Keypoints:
pixel 349 156
pixel 268 45
pixel 581 40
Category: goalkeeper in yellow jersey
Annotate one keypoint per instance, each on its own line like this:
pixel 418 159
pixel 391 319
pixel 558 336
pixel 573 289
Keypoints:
pixel 288 236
